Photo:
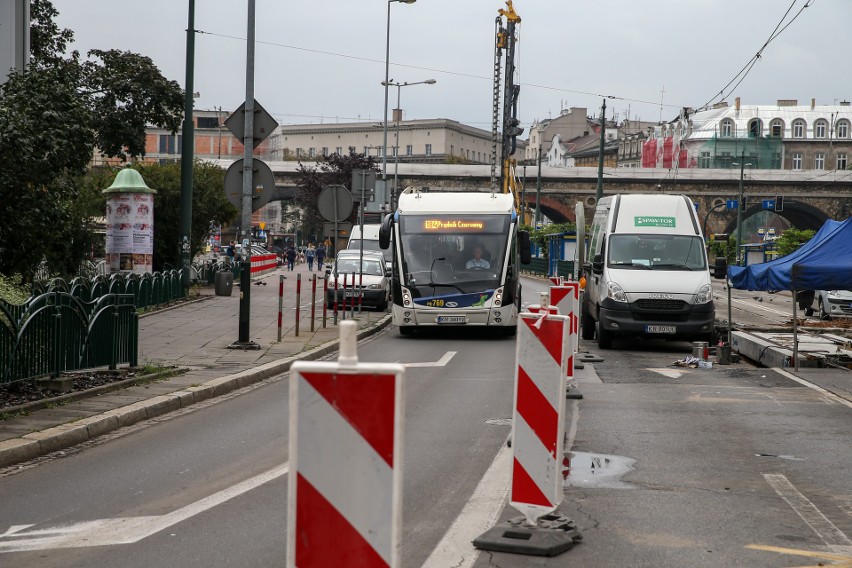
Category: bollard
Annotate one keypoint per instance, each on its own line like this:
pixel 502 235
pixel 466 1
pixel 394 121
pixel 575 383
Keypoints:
pixel 298 300
pixel 280 304
pixel 313 298
pixel 336 277
pixel 324 300
pixel 360 287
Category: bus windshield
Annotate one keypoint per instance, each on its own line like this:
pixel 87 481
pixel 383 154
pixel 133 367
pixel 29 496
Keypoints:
pixel 449 254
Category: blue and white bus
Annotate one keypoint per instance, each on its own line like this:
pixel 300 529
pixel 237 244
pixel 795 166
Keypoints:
pixel 456 260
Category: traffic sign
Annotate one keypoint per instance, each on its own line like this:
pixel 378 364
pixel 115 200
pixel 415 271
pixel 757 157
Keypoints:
pixel 731 203
pixel 767 203
pixel 263 123
pixel 364 183
pixel 262 182
pixel 335 203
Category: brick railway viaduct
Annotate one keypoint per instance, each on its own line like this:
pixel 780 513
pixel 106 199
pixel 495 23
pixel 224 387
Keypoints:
pixel 810 197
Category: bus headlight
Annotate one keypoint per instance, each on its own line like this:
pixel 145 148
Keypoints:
pixel 406 298
pixel 704 294
pixel 615 292
pixel 498 297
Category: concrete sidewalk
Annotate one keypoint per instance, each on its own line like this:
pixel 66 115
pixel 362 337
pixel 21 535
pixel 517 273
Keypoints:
pixel 195 336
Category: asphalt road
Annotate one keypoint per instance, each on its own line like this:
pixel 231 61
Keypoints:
pixel 670 467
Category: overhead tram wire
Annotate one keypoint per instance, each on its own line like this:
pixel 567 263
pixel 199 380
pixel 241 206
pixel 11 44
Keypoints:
pixel 434 70
pixel 743 73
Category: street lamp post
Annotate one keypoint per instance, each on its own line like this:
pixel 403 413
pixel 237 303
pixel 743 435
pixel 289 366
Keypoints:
pixel 399 87
pixel 740 208
pixel 386 82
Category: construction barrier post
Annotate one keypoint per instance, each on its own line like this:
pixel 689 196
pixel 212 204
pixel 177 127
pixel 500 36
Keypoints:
pixel 344 295
pixel 335 297
pixel 324 300
pixel 313 299
pixel 280 303
pixel 360 287
pixel 538 433
pixel 298 301
pixel 349 414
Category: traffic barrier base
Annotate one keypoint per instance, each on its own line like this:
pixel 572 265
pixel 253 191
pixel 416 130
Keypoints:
pixel 553 535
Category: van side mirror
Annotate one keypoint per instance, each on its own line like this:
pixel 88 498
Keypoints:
pixel 385 232
pixel 524 244
pixel 720 268
pixel 597 264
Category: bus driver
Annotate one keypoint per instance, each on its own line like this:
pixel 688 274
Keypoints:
pixel 477 262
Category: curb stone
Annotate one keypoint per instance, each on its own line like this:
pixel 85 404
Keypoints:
pixel 35 444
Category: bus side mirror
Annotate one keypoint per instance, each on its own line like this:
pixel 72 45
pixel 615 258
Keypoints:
pixel 385 232
pixel 524 243
pixel 597 264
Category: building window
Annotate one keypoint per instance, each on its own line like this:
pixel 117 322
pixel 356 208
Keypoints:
pixel 776 128
pixel 325 151
pixel 843 129
pixel 755 128
pixel 380 152
pixel 207 122
pixel 394 151
pixel 841 161
pixel 799 128
pixel 704 160
pixel 299 153
pixel 409 150
pixel 452 149
pixel 312 153
pixel 797 161
pixel 726 128
pixel 428 149
pixel 820 128
pixel 168 143
pixel 819 161
pixel 339 150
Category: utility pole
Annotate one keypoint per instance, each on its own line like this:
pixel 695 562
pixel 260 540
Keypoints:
pixel 538 191
pixel 599 191
pixel 740 212
pixel 187 149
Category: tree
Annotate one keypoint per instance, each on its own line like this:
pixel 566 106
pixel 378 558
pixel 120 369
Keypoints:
pixel 330 170
pixel 52 116
pixel 209 204
pixel 539 236
pixel 792 239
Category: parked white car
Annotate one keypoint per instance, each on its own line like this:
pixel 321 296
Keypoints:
pixel 370 280
pixel 834 303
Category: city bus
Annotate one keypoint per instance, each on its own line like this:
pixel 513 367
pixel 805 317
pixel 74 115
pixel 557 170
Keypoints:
pixel 456 260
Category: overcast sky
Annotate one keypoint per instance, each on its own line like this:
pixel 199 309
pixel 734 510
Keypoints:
pixel 324 60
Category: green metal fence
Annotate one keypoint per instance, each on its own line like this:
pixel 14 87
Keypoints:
pixel 56 332
pixel 79 324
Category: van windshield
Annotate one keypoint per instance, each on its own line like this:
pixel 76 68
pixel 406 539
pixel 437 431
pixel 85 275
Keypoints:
pixel 656 252
pixel 355 244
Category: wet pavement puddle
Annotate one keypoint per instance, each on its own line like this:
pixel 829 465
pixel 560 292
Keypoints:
pixel 582 469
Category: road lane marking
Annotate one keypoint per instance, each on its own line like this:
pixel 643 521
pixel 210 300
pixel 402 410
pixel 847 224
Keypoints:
pixel 828 394
pixel 479 514
pixel 774 311
pixel 670 373
pixel 813 517
pixel 125 530
pixel 845 558
pixel 442 362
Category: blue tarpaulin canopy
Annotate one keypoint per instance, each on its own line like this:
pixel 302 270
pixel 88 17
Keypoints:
pixel 823 263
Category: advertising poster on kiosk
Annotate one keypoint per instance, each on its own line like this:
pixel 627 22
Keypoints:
pixel 130 232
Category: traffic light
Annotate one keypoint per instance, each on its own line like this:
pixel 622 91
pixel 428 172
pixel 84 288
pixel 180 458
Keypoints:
pixel 779 203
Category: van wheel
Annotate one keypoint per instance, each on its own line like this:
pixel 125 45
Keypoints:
pixel 604 338
pixel 822 314
pixel 587 325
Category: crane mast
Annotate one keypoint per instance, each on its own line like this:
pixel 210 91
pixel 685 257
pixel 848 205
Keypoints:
pixel 505 126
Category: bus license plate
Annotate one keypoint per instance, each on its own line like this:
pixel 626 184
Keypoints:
pixel 451 319
pixel 660 329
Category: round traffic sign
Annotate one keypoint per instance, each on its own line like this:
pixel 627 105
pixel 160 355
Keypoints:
pixel 335 203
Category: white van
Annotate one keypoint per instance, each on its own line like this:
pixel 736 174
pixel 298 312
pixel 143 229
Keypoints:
pixel 371 242
pixel 649 273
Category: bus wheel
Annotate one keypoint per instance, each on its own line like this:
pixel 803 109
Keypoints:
pixel 587 325
pixel 405 330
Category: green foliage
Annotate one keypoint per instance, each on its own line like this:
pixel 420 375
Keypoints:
pixel 539 236
pixel 330 170
pixel 51 118
pixel 209 204
pixel 728 249
pixel 12 291
pixel 792 239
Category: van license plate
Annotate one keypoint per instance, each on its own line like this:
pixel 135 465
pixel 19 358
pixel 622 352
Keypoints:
pixel 451 319
pixel 660 329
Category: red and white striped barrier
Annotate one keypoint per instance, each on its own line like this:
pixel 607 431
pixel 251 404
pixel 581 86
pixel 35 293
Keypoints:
pixel 263 263
pixel 556 280
pixel 345 485
pixel 539 414
pixel 566 298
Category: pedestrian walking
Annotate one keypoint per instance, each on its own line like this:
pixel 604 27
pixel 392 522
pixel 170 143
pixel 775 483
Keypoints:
pixel 310 254
pixel 291 258
pixel 320 256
